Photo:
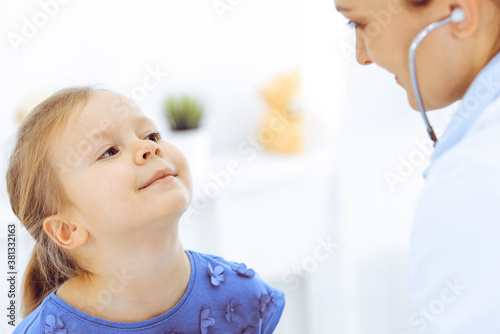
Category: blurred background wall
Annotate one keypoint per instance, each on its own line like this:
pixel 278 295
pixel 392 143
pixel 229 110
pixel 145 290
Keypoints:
pixel 330 224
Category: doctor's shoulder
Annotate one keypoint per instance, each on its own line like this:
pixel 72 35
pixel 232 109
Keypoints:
pixel 482 143
pixel 480 146
pixel 233 285
pixel 489 120
pixel 472 166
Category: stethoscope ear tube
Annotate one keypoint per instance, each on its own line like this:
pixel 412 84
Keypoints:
pixel 456 16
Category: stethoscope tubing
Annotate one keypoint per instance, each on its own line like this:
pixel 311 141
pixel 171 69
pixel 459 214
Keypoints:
pixel 413 70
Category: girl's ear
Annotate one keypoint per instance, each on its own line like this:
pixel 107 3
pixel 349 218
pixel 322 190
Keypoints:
pixel 65 233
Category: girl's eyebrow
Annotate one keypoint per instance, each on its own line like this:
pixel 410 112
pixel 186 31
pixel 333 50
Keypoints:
pixel 143 119
pixel 139 120
pixel 102 135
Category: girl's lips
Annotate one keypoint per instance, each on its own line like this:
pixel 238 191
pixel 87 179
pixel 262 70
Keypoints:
pixel 160 176
pixel 162 180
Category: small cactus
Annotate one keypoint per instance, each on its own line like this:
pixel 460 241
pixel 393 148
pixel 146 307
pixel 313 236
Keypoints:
pixel 183 113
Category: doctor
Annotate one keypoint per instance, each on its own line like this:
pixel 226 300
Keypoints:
pixel 455 242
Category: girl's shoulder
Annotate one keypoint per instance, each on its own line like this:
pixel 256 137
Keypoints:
pixel 42 320
pixel 230 292
pixel 218 270
pixel 225 296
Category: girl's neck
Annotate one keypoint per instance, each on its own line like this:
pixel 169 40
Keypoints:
pixel 131 286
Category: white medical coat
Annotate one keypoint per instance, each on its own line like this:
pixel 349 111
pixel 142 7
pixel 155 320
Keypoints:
pixel 455 242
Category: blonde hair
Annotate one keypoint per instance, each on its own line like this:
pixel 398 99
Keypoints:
pixel 36 193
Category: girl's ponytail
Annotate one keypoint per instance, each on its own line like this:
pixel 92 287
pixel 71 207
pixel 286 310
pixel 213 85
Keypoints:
pixel 48 268
pixel 34 289
pixel 36 192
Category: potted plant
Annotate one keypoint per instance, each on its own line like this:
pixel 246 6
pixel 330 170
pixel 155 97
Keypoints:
pixel 184 115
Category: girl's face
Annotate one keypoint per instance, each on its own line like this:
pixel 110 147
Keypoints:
pixel 106 157
pixel 385 30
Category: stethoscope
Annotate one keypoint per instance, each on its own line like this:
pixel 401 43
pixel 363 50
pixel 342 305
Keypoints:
pixel 457 15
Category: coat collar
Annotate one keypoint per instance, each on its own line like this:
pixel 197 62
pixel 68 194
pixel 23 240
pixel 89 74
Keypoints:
pixel 484 89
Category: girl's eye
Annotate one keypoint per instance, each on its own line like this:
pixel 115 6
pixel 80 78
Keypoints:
pixel 110 150
pixel 155 135
pixel 113 150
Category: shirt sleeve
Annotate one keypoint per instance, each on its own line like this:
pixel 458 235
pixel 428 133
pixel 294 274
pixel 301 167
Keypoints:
pixel 273 311
pixel 455 267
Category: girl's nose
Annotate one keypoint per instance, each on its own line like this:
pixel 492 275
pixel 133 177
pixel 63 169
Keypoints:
pixel 362 55
pixel 147 149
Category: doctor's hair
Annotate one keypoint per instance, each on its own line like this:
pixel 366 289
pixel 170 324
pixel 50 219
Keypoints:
pixel 36 191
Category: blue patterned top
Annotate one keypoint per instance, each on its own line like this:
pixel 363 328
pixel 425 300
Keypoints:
pixel 222 297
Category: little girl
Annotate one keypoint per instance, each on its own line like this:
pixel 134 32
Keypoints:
pixel 102 193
